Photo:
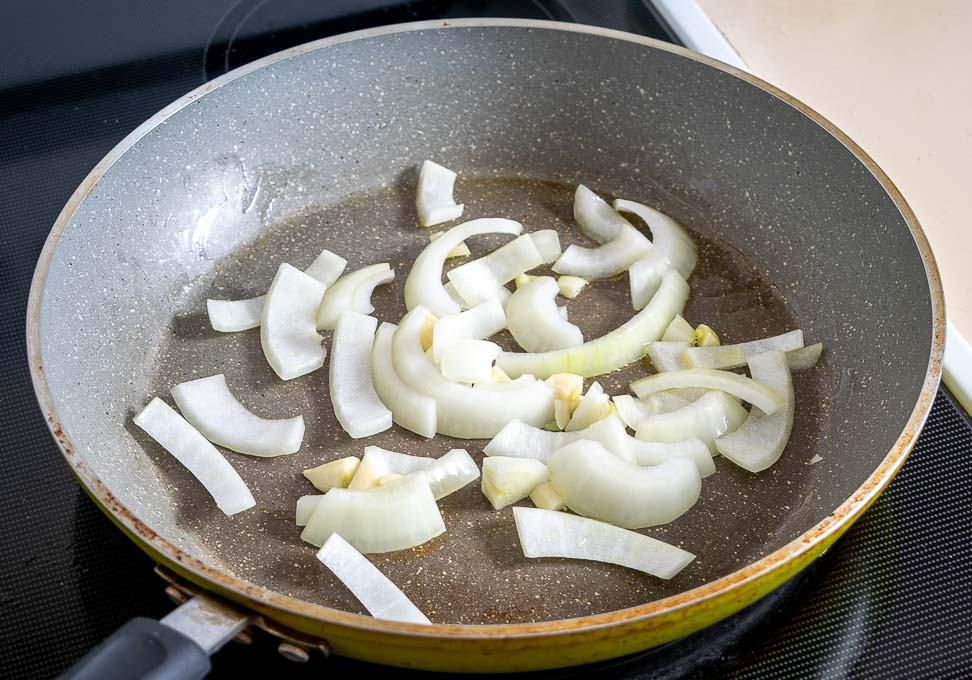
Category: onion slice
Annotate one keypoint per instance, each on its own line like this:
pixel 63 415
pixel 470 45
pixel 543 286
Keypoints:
pixel 667 356
pixel 449 473
pixel 547 242
pixel 469 361
pixel 461 250
pixel 410 409
pixel 593 406
pixel 478 280
pixel 759 442
pixel 548 533
pixel 382 598
pixel 805 357
pixel 393 516
pixel 679 330
pixel 288 331
pixel 433 195
pixel 535 321
pixel 230 316
pixel 306 505
pixel 378 462
pixel 624 248
pixel 612 351
pixel 734 356
pixel 508 480
pixel 424 283
pixel 211 408
pixel 462 411
pixel 710 379
pixel 478 323
pixel 597 220
pixel 201 458
pixel 353 396
pixel 673 249
pixel 632 410
pixel 711 416
pixel 342 295
pixel 598 484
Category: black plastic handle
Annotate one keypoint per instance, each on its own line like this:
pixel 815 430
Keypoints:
pixel 142 649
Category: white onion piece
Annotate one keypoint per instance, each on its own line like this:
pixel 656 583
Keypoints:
pixel 547 533
pixel 461 250
pixel 713 415
pixel 597 220
pixel 609 259
pixel 734 356
pixel 535 320
pixel 562 310
pixel 337 473
pixel 288 328
pixel 382 598
pixel 508 480
pixel 545 496
pixel 463 411
pixel 201 458
pixel 478 280
pixel 632 411
pixel 547 242
pixel 239 315
pixel 410 409
pixel 759 442
pixel 394 516
pixel 595 483
pixel 211 408
pixel 341 295
pixel 356 403
pixel 571 286
pixel 679 330
pixel 655 453
pixel 378 462
pixel 805 357
pixel 673 249
pixel 468 361
pixel 361 298
pixel 737 385
pixel 449 472
pixel 612 351
pixel 424 283
pixel 667 356
pixel 593 406
pixel 306 505
pixel 477 323
pixel 433 195
pixel 503 386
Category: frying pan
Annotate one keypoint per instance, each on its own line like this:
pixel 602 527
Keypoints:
pixel 317 147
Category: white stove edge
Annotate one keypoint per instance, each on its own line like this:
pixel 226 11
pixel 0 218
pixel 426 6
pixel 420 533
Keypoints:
pixel 697 32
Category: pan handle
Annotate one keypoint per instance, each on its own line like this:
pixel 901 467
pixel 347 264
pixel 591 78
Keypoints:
pixel 175 648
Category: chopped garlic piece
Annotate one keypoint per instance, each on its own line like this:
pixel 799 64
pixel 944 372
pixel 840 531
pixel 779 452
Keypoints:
pixel 571 286
pixel 508 480
pixel 705 336
pixel 337 473
pixel 546 497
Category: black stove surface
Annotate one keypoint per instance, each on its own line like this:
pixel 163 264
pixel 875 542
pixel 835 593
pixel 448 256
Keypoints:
pixel 891 599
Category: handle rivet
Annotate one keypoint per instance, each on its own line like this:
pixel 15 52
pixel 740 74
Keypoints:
pixel 292 652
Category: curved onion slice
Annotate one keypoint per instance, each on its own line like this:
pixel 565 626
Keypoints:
pixel 737 385
pixel 597 220
pixel 673 249
pixel 713 415
pixel 478 323
pixel 353 396
pixel 361 299
pixel 632 411
pixel 288 331
pixel 667 356
pixel 547 533
pixel 410 409
pixel 306 505
pixel 461 250
pixel 759 442
pixel 449 472
pixel 211 408
pixel 239 315
pixel 805 357
pixel 341 295
pixel 612 351
pixel 594 406
pixel 337 473
pixel 433 195
pixel 478 280
pixel 609 259
pixel 394 516
pixel 679 330
pixel 535 321
pixel 424 283
pixel 463 411
pixel 504 385
pixel 378 462
pixel 655 453
pixel 469 361
pixel 374 590
pixel 734 356
pixel 595 483
pixel 508 480
pixel 547 242
pixel 201 458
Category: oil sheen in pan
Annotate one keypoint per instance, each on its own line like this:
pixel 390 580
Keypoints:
pixel 475 573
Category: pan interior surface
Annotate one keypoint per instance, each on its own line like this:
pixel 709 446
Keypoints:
pixel 319 150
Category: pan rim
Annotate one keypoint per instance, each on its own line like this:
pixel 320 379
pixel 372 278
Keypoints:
pixel 216 579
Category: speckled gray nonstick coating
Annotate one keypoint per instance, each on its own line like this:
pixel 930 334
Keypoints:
pixel 320 150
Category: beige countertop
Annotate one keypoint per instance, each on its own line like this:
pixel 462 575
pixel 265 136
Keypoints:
pixel 896 75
